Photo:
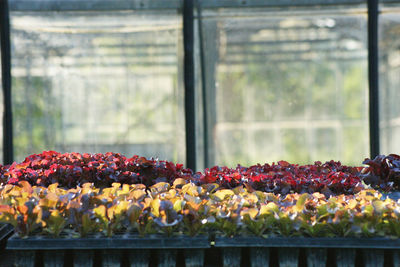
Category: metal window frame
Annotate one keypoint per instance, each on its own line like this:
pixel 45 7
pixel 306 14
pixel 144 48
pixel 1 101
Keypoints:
pixel 187 7
pixel 8 155
pixel 114 5
pixel 92 5
pixel 189 82
pixel 373 77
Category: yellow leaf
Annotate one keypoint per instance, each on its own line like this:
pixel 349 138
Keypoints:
pixel 100 211
pixel 52 188
pixel 178 205
pixel 301 201
pixel 269 208
pixel 116 185
pixel 379 206
pixel 137 194
pixel 160 187
pixel 26 187
pixel 223 193
pixel 155 207
pixel 252 212
pixel 352 204
pixel 52 199
pixel 111 212
pixel 179 182
pixel 191 189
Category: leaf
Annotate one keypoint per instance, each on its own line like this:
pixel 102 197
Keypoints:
pixel 124 191
pixel 352 204
pixel 379 206
pixel 52 200
pixel 155 207
pixel 301 201
pixel 100 212
pixel 179 204
pixel 53 188
pixel 179 182
pixel 160 187
pixel 26 187
pixel 223 193
pixel 57 222
pixel 133 213
pixel 87 225
pixel 191 189
pixel 137 195
pixel 269 208
pixel 23 209
pixel 211 187
pixel 252 212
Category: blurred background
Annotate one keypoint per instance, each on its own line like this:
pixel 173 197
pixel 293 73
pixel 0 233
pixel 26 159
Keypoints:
pixel 277 81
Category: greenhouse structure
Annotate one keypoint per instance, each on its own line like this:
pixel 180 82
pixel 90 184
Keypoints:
pixel 200 133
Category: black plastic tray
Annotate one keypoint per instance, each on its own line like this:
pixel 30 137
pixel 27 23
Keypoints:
pixel 304 242
pixel 5 231
pixel 116 242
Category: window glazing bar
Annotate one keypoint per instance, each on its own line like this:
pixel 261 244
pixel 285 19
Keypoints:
pixel 189 81
pixel 92 5
pixel 276 3
pixel 6 81
pixel 373 75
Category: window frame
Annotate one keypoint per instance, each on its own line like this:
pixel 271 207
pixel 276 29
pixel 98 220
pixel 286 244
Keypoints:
pixel 187 8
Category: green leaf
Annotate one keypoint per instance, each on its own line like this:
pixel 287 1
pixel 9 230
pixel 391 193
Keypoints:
pixel 56 222
pixel 301 201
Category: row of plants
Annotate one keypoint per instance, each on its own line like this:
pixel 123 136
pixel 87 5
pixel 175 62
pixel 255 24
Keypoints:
pixel 74 169
pixel 185 208
pixel 331 178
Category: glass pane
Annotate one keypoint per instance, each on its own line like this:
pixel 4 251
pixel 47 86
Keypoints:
pixel 287 85
pixel 98 82
pixel 389 78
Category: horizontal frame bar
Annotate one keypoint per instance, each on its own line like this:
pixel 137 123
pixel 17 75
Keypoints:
pixel 115 5
pixel 92 5
pixel 276 3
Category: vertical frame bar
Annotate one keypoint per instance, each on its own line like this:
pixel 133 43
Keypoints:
pixel 6 80
pixel 189 82
pixel 203 85
pixel 373 77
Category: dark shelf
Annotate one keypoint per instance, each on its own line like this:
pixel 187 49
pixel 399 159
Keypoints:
pixel 116 242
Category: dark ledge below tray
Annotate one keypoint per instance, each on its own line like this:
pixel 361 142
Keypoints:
pixel 309 242
pixel 128 242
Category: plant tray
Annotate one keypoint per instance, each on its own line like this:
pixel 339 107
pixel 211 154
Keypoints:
pixel 116 242
pixel 5 231
pixel 304 242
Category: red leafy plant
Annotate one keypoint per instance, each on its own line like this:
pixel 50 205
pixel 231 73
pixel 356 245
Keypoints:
pixel 73 169
pixel 382 172
pixel 330 178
